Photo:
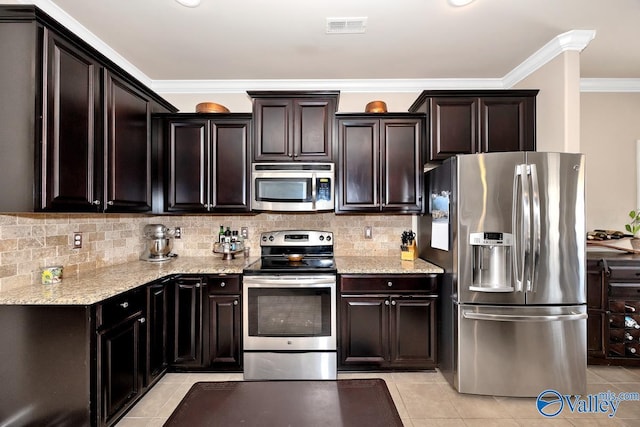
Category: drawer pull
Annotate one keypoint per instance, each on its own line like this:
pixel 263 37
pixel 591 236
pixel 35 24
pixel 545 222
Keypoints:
pixel 235 302
pixel 142 320
pixel 393 302
pixel 389 284
pixel 386 302
pixel 222 284
pixel 124 304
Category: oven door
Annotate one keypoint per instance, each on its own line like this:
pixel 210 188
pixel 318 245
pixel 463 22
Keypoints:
pixel 289 313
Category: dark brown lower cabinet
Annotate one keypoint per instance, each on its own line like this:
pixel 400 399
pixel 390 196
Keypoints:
pixel 224 324
pixel 207 323
pixel 157 329
pixel 121 352
pixel 392 328
pixel 613 306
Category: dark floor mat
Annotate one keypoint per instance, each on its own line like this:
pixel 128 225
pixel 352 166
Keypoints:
pixel 362 402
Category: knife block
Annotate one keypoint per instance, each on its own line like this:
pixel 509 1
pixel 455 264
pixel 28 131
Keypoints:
pixel 410 254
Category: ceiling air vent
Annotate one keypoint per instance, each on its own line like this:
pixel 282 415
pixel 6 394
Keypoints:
pixel 346 25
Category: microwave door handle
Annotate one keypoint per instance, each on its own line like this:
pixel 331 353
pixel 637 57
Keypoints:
pixel 313 191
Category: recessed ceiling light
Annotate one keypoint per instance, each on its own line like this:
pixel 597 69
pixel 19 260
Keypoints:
pixel 189 3
pixel 459 3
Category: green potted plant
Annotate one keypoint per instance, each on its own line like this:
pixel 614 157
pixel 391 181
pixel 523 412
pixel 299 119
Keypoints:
pixel 633 227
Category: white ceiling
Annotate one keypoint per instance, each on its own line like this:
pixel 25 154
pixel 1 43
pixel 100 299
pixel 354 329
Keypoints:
pixel 404 39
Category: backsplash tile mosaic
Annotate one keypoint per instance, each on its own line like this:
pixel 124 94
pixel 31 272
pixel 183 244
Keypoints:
pixel 29 242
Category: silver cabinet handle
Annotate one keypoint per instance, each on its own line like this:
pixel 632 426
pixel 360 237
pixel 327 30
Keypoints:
pixel 110 202
pixel 389 284
pixel 96 202
pixel 393 302
pixel 124 304
pixel 142 320
pixel 222 284
pixel 386 302
pixel 235 302
pixel 197 285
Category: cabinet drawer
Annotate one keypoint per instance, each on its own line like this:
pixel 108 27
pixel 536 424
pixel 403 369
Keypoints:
pixel 224 284
pixel 624 290
pixel 388 283
pixel 119 308
pixel 624 272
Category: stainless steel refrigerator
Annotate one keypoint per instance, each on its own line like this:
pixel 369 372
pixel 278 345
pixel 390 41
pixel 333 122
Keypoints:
pixel 509 231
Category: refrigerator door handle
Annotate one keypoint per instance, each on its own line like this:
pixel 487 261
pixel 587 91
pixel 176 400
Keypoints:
pixel 520 224
pixel 516 318
pixel 535 197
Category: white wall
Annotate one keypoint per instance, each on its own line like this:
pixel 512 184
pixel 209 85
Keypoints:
pixel 351 102
pixel 610 127
pixel 558 103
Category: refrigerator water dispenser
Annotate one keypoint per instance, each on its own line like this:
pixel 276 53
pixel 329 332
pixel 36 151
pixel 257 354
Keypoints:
pixel 491 262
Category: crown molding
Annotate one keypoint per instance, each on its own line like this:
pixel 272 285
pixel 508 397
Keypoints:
pixel 571 40
pixel 575 40
pixel 609 85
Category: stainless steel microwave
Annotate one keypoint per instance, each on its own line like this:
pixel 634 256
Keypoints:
pixel 292 186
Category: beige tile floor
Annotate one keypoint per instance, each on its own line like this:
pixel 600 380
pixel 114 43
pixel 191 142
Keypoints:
pixel 426 399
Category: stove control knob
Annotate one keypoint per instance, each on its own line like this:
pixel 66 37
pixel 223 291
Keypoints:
pixel 264 238
pixel 271 238
pixel 328 238
pixel 321 238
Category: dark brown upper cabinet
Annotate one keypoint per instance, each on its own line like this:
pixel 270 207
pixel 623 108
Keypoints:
pixel 75 128
pixel 380 163
pixel 206 166
pixel 464 122
pixel 71 165
pixel 128 147
pixel 293 126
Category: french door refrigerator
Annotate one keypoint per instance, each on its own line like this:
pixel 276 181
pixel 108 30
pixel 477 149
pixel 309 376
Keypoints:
pixel 509 231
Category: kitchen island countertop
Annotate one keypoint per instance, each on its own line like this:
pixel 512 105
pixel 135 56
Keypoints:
pixel 98 285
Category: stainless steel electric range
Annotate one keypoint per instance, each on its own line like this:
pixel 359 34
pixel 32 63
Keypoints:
pixel 289 308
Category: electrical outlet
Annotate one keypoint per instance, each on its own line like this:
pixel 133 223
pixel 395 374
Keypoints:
pixel 368 232
pixel 244 232
pixel 77 240
pixel 178 233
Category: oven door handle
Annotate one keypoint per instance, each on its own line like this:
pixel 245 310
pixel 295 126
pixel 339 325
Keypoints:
pixel 292 281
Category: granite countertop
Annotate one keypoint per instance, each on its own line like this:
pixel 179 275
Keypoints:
pixel 97 285
pixel 384 265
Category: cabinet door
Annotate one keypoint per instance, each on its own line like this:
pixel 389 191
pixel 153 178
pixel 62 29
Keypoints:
pixel 187 186
pixel 224 331
pixel 187 322
pixel 128 147
pixel 121 353
pixel 597 325
pixel 453 126
pixel 157 310
pixel 364 335
pixel 358 170
pixel 401 165
pixel 313 129
pixel 412 332
pixel 230 171
pixel 69 148
pixel 507 124
pixel 273 129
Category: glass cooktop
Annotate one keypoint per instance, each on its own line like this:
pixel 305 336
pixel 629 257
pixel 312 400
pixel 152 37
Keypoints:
pixel 267 265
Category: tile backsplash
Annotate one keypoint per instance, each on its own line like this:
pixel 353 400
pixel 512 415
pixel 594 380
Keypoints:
pixel 29 242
